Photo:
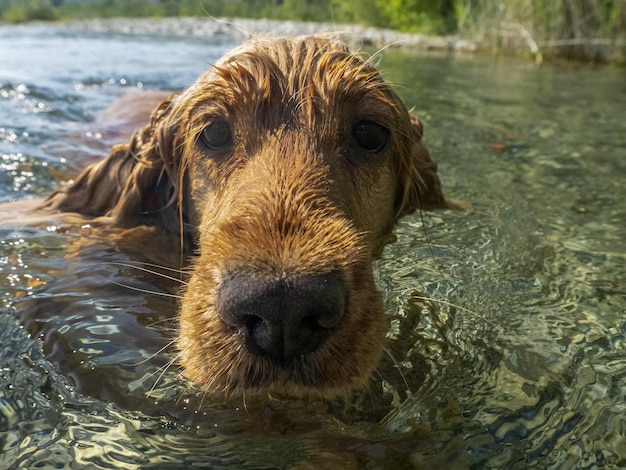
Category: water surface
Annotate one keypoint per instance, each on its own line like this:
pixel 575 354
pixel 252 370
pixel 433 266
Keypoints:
pixel 508 326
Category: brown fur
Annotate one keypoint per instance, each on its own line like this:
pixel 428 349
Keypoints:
pixel 293 196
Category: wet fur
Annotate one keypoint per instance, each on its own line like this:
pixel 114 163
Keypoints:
pixel 294 196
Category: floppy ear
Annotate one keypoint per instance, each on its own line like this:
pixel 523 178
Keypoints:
pixel 418 184
pixel 135 184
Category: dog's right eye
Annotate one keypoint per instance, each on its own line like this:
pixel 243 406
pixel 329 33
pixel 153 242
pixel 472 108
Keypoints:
pixel 217 135
pixel 370 135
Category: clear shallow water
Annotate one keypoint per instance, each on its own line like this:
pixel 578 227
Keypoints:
pixel 520 361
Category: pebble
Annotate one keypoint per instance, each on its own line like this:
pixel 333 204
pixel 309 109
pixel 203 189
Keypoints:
pixel 240 29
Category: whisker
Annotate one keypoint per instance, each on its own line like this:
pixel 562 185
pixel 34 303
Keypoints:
pixel 205 393
pixel 145 291
pixel 187 389
pixel 396 365
pixel 430 245
pixel 245 403
pixel 375 58
pixel 156 353
pixel 163 370
pixel 140 267
pixel 159 323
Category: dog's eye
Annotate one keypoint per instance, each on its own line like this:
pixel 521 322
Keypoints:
pixel 217 135
pixel 370 136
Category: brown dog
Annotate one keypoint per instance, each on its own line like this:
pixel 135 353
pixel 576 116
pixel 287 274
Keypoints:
pixel 286 166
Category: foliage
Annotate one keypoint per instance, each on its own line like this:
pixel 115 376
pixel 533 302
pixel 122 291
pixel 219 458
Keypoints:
pixel 27 10
pixel 574 28
pixel 427 16
pixel 305 10
pixel 571 28
pixel 358 11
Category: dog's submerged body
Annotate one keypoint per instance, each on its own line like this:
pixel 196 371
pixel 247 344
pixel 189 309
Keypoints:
pixel 284 167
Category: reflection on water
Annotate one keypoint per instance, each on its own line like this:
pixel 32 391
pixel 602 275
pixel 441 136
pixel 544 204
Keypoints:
pixel 507 343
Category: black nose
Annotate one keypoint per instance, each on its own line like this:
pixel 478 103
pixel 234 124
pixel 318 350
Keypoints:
pixel 282 319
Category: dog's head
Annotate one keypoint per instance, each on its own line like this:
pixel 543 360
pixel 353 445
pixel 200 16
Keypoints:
pixel 299 159
pixel 288 163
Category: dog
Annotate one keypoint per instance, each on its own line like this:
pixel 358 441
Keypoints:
pixel 282 170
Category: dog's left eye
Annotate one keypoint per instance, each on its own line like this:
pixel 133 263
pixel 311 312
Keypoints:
pixel 370 135
pixel 217 135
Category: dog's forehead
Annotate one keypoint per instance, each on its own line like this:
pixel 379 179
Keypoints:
pixel 298 79
pixel 286 49
pixel 300 58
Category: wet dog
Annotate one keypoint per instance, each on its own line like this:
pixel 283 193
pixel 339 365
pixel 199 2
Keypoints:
pixel 284 168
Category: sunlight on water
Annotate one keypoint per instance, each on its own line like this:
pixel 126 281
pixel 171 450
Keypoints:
pixel 507 343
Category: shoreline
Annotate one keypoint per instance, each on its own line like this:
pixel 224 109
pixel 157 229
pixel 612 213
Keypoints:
pixel 241 28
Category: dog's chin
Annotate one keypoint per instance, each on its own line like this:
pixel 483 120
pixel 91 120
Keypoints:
pixel 283 383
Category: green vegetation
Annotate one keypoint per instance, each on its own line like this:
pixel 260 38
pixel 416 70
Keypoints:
pixel 19 12
pixel 576 29
pixel 584 29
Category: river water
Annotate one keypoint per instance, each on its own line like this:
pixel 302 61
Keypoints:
pixel 508 319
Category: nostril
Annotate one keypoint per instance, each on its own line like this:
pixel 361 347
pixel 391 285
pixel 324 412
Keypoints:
pixel 286 318
pixel 326 319
pixel 262 336
pixel 250 322
pixel 315 322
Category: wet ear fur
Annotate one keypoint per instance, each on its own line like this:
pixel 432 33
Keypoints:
pixel 418 183
pixel 136 183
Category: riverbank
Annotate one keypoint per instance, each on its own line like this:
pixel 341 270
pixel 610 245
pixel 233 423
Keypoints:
pixel 241 29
